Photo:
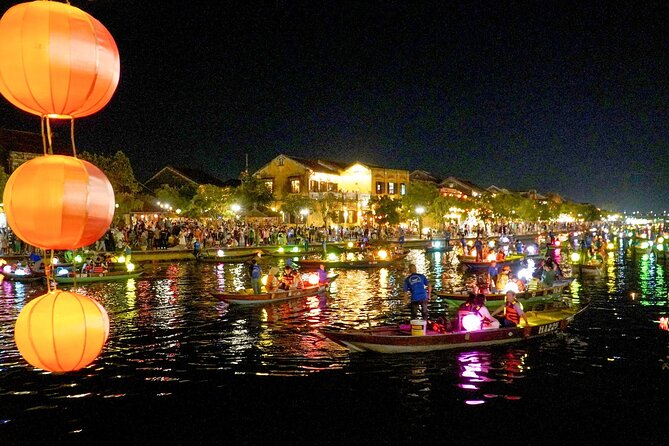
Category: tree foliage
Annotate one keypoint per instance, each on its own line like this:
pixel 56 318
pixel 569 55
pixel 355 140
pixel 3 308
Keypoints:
pixel 294 203
pixel 253 192
pixel 212 201
pixel 177 197
pixel 385 210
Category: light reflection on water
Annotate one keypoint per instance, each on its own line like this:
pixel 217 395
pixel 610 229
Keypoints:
pixel 168 334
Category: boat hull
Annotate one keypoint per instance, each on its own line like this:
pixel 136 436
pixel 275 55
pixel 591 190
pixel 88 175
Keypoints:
pixel 23 278
pixel 349 264
pixel 227 259
pixel 97 278
pixel 397 339
pixel 471 263
pixel 267 298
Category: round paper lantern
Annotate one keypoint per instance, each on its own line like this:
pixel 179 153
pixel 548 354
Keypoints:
pixel 59 202
pixel 56 60
pixel 61 331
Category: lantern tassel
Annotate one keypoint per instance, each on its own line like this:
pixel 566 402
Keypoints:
pixel 74 147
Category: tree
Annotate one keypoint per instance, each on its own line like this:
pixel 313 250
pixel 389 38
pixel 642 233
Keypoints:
pixel 294 203
pixel 3 179
pixel 253 192
pixel 386 210
pixel 419 194
pixel 212 201
pixel 177 197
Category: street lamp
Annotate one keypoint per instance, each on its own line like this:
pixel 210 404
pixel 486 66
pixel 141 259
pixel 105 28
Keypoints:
pixel 236 208
pixel 420 210
pixel 304 213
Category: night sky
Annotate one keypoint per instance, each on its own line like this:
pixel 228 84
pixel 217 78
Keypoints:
pixel 567 97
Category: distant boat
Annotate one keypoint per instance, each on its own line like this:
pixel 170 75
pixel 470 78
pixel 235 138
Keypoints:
pixel 242 298
pixel 99 277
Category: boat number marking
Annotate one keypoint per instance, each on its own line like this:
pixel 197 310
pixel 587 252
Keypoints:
pixel 549 327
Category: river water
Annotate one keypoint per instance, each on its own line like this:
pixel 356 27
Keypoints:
pixel 182 368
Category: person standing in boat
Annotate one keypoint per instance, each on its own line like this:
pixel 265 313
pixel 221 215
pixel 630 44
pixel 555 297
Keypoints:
pixel 415 285
pixel 511 312
pixel 493 272
pixel 478 246
pixel 322 274
pixel 255 272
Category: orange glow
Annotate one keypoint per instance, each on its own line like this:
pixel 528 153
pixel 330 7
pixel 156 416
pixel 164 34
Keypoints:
pixel 56 60
pixel 61 331
pixel 59 202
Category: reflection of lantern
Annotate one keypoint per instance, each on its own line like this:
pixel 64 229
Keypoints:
pixel 58 202
pixel 56 60
pixel 61 331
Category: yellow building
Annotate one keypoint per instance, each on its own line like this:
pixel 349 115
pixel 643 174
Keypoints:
pixel 351 184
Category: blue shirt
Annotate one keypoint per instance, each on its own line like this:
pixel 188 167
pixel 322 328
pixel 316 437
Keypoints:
pixel 416 283
pixel 255 271
pixel 493 271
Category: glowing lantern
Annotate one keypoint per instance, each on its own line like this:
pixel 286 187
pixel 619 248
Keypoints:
pixel 130 267
pixel 59 202
pixel 280 249
pixel 531 250
pixel 491 257
pixel 313 279
pixel 660 239
pixel 61 331
pixel 295 249
pixel 220 253
pixel 121 259
pixel 56 60
pixel 575 257
pixel 383 254
pixel 332 256
pixel 471 322
pixel 350 244
pixel 610 246
pixel 664 323
pixel 437 245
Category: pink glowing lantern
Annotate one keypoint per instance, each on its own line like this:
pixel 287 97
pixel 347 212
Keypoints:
pixel 471 322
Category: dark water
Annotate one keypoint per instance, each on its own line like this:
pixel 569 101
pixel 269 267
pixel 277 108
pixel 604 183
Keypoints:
pixel 182 368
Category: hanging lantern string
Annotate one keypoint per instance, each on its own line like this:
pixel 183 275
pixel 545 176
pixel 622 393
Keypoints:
pixel 47 270
pixel 42 128
pixel 46 135
pixel 74 147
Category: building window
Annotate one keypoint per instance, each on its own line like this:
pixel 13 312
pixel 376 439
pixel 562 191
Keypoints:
pixel 391 188
pixel 379 187
pixel 269 183
pixel 403 189
pixel 294 185
pixel 280 161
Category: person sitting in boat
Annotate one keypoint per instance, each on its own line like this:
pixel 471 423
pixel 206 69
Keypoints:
pixel 468 305
pixel 518 284
pixel 500 255
pixel 87 267
pixel 290 279
pixel 511 312
pixel 272 281
pixel 503 277
pixel 487 320
pixel 483 283
pixel 549 272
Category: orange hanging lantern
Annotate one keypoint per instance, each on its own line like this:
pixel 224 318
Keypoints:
pixel 61 331
pixel 56 60
pixel 59 202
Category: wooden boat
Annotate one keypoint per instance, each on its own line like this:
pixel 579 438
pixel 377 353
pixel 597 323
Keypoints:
pixel 587 268
pixel 471 262
pixel 242 298
pixel 438 246
pixel 227 258
pixel 351 264
pixel 399 339
pixel 497 299
pixel 290 251
pixel 32 277
pixel 99 277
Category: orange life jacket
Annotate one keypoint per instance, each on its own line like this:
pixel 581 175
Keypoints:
pixel 511 314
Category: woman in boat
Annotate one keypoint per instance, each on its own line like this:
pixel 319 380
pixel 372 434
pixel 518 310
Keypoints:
pixel 503 277
pixel 272 281
pixel 487 320
pixel 549 272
